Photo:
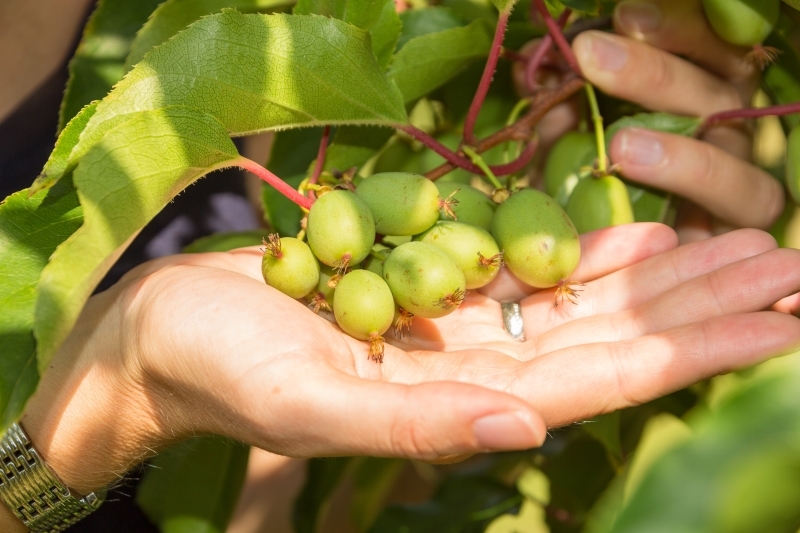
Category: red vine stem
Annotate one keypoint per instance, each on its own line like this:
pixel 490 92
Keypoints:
pixel 538 56
pixel 555 31
pixel 320 164
pixel 486 79
pixel 754 112
pixel 267 176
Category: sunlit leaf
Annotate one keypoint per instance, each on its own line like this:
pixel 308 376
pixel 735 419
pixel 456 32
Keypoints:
pixel 379 17
pixel 194 486
pixel 173 16
pixel 123 182
pixel 99 61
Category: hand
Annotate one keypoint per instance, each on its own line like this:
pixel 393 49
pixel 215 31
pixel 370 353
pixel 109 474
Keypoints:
pixel 638 65
pixel 198 343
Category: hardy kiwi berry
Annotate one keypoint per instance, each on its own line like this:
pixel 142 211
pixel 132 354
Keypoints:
pixel 401 203
pixel 746 23
pixel 364 309
pixel 571 152
pixel 599 203
pixel 471 206
pixel 473 249
pixel 539 241
pixel 424 280
pixel 322 298
pixel 340 229
pixel 289 266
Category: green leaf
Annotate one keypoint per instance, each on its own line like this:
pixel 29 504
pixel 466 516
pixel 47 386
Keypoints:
pixel 651 205
pixel 58 162
pixel 462 504
pixel 419 22
pixel 223 242
pixel 429 61
pixel 322 479
pixel 605 428
pixel 123 182
pixel 301 71
pixel 781 80
pixel 98 62
pixel 379 17
pixel 373 479
pixel 353 146
pixel 194 486
pixel 30 230
pixel 740 472
pixel 794 3
pixel 175 15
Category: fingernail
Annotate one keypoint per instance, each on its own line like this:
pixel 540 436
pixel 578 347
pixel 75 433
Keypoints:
pixel 641 147
pixel 506 431
pixel 608 53
pixel 638 16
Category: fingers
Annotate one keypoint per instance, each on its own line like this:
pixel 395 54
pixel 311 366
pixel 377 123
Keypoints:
pixel 645 280
pixel 608 376
pixel 749 285
pixel 680 27
pixel 651 77
pixel 732 189
pixel 344 415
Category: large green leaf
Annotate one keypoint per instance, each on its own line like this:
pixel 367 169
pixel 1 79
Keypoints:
pixel 300 71
pixel 30 230
pixel 379 17
pixel 419 22
pixel 123 182
pixel 194 486
pixel 99 61
pixel 429 61
pixel 175 15
pixel 322 479
pixel 739 473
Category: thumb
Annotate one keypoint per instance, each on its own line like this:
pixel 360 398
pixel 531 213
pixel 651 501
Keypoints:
pixel 426 421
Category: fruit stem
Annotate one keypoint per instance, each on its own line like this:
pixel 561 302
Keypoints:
pixel 599 132
pixel 478 160
pixel 320 164
pixel 555 31
pixel 538 56
pixel 512 118
pixel 449 155
pixel 486 78
pixel 267 176
pixel 771 111
pixel 543 101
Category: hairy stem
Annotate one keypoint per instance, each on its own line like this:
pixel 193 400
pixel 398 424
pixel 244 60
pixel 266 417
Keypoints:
pixel 555 31
pixel 478 160
pixel 486 79
pixel 267 176
pixel 756 112
pixel 449 155
pixel 538 56
pixel 599 132
pixel 541 102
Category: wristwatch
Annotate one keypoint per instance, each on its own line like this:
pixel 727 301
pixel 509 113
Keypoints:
pixel 33 492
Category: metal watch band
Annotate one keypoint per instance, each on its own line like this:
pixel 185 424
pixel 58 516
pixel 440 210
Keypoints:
pixel 33 492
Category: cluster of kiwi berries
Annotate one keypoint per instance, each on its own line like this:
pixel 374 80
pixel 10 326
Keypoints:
pixel 457 239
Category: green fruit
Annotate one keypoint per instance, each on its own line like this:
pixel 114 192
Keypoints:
pixel 793 163
pixel 322 298
pixel 401 203
pixel 573 151
pixel 340 229
pixel 374 263
pixel 364 308
pixel 599 203
pixel 289 266
pixel 743 22
pixel 473 206
pixel 424 280
pixel 539 241
pixel 473 249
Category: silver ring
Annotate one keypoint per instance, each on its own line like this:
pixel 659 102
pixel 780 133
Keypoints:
pixel 512 321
